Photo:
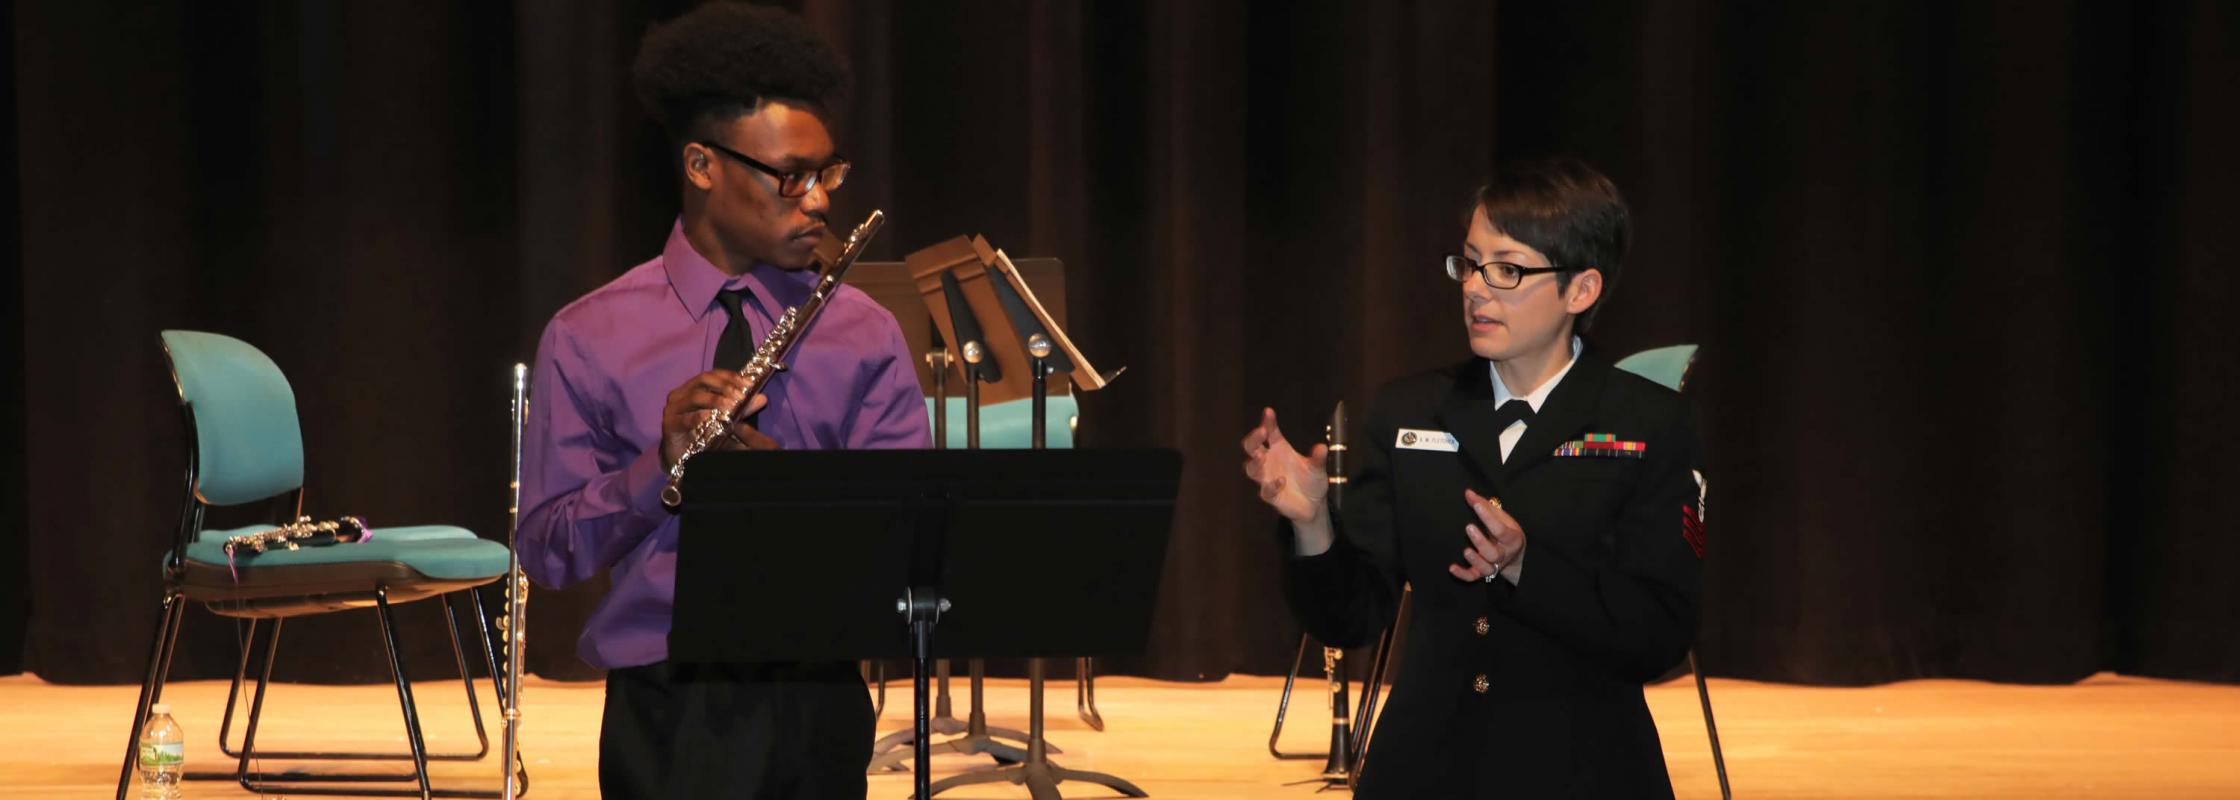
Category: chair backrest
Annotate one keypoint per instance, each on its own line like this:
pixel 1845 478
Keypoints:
pixel 1004 426
pixel 248 445
pixel 1665 365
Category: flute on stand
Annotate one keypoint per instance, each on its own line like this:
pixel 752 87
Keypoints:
pixel 513 621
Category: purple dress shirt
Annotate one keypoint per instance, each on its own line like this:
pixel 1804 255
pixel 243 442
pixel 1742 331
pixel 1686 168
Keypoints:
pixel 591 474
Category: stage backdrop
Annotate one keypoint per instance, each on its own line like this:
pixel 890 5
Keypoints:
pixel 1960 276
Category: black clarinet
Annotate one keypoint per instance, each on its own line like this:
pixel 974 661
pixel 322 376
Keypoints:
pixel 1336 768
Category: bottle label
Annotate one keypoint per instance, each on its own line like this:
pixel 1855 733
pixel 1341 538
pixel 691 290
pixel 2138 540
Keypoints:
pixel 163 755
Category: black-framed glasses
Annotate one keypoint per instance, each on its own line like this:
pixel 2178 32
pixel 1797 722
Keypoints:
pixel 1497 274
pixel 792 184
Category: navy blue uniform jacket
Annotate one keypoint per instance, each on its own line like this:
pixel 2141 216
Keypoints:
pixel 1532 689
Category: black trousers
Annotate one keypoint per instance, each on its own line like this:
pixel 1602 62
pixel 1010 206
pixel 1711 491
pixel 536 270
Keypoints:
pixel 735 731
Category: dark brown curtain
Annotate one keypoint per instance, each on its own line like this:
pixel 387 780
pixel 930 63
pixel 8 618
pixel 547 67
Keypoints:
pixel 1957 270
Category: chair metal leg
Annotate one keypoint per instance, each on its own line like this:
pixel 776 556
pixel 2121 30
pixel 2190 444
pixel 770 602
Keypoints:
pixel 1718 758
pixel 256 703
pixel 466 677
pixel 248 633
pixel 1283 705
pixel 499 681
pixel 474 709
pixel 1380 666
pixel 404 691
pixel 309 783
pixel 1085 692
pixel 151 688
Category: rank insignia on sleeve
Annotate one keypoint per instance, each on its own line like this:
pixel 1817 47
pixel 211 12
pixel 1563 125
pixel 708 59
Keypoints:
pixel 1693 516
pixel 1601 445
pixel 1691 528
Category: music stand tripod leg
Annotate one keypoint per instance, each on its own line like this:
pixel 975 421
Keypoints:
pixel 1037 773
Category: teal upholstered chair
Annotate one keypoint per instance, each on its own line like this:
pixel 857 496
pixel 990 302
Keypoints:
pixel 244 446
pixel 1005 425
pixel 1669 366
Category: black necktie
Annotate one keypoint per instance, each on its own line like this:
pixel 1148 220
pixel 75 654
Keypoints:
pixel 1510 413
pixel 733 347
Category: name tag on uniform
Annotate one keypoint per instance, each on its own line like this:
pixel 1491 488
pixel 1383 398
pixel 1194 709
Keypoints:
pixel 1420 439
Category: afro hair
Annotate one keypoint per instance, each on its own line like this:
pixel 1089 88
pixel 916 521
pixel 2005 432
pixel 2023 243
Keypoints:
pixel 724 59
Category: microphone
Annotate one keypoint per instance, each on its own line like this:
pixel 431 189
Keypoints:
pixel 978 366
pixel 1023 319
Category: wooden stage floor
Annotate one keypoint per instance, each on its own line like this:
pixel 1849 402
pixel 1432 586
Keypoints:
pixel 2105 737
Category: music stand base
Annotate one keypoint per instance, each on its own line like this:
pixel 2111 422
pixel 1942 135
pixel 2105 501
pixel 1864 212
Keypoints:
pixel 1041 779
pixel 976 744
pixel 902 739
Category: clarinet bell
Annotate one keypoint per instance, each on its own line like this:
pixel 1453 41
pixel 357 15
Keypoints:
pixel 1338 768
pixel 1334 770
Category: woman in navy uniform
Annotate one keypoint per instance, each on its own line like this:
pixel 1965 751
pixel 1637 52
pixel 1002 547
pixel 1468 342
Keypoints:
pixel 1545 507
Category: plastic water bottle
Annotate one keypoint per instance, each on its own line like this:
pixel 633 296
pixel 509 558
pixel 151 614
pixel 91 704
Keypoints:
pixel 163 755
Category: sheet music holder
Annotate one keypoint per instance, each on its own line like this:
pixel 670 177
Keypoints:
pixel 805 555
pixel 976 264
pixel 890 283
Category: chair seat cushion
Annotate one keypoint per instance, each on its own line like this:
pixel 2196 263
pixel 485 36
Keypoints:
pixel 310 580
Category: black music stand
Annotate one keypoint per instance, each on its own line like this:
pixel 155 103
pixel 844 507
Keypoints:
pixel 847 555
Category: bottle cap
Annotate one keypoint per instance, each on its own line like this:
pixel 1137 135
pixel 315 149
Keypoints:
pixel 163 709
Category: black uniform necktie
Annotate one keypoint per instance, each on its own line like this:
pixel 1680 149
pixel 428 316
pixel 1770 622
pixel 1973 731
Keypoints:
pixel 1511 413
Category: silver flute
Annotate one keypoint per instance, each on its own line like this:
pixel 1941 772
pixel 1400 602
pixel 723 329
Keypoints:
pixel 513 619
pixel 769 356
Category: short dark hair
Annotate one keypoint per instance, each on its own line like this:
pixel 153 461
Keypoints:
pixel 723 59
pixel 1568 211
